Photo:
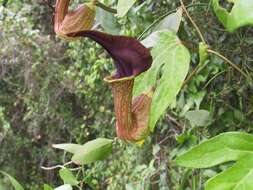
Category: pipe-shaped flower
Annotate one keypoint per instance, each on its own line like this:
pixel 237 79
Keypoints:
pixel 66 21
pixel 131 116
pixel 130 57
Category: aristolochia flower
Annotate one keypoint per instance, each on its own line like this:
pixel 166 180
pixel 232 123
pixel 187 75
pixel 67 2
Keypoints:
pixel 130 57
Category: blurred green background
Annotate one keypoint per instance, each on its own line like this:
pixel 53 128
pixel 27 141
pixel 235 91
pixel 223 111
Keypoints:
pixel 52 91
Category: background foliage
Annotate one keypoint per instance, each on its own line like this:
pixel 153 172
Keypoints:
pixel 53 92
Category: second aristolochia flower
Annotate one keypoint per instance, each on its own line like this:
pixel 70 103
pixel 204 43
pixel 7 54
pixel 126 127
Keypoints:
pixel 80 19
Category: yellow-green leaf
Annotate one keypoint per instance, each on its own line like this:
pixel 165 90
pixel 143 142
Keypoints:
pixel 124 6
pixel 68 177
pixel 230 146
pixel 13 181
pixel 94 150
pixel 47 187
pixel 198 117
pixel 240 15
pixel 72 148
pixel 238 177
pixel 171 60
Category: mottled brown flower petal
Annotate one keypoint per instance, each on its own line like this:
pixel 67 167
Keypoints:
pixel 131 117
pixel 65 21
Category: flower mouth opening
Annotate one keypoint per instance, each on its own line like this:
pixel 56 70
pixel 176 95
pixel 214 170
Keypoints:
pixel 113 79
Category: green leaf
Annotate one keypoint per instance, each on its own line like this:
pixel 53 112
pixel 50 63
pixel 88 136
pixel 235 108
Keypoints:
pixel 64 187
pixel 72 148
pixel 124 6
pixel 223 148
pixel 47 187
pixel 198 117
pixel 2 187
pixel 169 23
pixel 94 150
pixel 240 15
pixel 172 59
pixel 152 39
pixel 238 177
pixel 68 177
pixel 107 21
pixel 13 181
pixel 203 54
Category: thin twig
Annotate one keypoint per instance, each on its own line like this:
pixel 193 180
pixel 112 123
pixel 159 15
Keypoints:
pixel 230 63
pixel 214 77
pixel 75 169
pixel 174 121
pixel 209 50
pixel 56 166
pixel 49 5
pixel 193 23
pixel 198 69
pixel 163 16
pixel 103 6
pixel 189 78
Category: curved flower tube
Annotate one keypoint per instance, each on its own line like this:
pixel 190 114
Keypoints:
pixel 130 57
pixel 131 116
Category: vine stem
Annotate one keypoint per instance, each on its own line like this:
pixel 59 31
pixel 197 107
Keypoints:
pixel 226 60
pixel 103 6
pixel 196 70
pixel 57 166
pixel 229 62
pixel 163 16
pixel 60 166
pixel 189 78
pixel 193 23
pixel 95 2
pixel 48 4
pixel 214 77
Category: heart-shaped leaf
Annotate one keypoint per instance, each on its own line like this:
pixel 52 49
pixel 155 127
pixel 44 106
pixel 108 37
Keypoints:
pixel 231 146
pixel 94 150
pixel 240 15
pixel 225 147
pixel 172 59
pixel 238 177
